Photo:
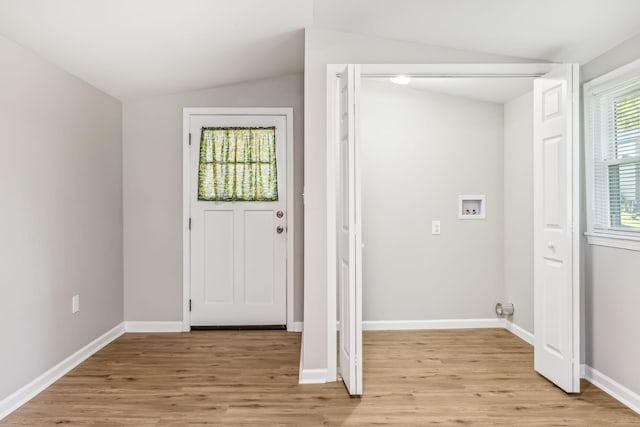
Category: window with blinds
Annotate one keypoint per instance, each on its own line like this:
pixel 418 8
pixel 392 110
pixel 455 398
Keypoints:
pixel 613 131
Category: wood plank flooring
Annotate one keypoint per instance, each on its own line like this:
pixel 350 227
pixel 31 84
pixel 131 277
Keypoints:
pixel 240 378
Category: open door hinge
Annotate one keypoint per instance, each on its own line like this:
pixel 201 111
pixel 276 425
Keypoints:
pixel 189 306
pixel 189 138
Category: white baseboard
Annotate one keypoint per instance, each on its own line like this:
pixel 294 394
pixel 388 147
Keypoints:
pixel 32 389
pixel 154 326
pixel 310 376
pixel 313 376
pixel 394 325
pixel 295 327
pixel 307 376
pixel 518 331
pixel 611 387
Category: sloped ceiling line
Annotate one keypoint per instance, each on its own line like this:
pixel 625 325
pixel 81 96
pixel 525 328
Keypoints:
pixel 138 48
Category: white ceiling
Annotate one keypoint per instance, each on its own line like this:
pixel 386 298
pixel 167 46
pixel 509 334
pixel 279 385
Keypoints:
pixel 553 30
pixel 490 89
pixel 137 48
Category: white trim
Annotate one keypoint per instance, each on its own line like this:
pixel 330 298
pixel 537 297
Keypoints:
pixel 631 243
pixel 186 213
pixel 400 325
pixel 313 376
pixel 291 194
pixel 608 237
pixel 295 327
pixel 611 387
pixel 153 326
pixel 287 112
pixel 519 331
pixel 333 71
pixel 459 70
pixel 575 203
pixel 39 384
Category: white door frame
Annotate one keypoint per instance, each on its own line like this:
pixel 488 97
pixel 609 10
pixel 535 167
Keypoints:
pixel 417 70
pixel 186 205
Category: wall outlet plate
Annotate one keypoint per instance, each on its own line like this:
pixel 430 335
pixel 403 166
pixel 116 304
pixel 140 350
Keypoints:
pixel 435 227
pixel 75 304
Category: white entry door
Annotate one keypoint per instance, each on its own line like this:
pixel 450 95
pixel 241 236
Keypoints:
pixel 349 226
pixel 238 248
pixel 556 224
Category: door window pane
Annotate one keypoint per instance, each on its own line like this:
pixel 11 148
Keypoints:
pixel 238 164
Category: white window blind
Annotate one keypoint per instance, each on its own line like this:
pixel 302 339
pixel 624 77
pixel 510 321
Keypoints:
pixel 614 126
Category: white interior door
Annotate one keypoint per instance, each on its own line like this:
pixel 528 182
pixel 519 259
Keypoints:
pixel 238 249
pixel 556 223
pixel 349 232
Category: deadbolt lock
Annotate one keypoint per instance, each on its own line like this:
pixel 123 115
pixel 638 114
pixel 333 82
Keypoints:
pixel 279 214
pixel 279 229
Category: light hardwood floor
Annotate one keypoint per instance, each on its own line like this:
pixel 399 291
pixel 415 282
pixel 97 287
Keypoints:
pixel 452 377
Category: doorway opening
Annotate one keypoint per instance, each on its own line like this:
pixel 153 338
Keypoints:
pixel 447 201
pixel 238 217
pixel 433 150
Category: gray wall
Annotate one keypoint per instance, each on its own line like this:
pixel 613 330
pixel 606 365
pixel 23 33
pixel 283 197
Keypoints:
pixel 61 221
pixel 612 294
pixel 417 157
pixel 518 208
pixel 621 55
pixel 152 140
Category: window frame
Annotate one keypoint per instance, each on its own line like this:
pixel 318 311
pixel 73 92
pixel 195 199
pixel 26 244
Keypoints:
pixel 234 196
pixel 612 237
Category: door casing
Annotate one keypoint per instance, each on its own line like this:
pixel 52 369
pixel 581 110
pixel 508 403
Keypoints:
pixel 421 70
pixel 189 112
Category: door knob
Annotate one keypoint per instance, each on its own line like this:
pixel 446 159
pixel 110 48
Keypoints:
pixel 279 214
pixel 279 229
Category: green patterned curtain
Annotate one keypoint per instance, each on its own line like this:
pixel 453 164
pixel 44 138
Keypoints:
pixel 238 164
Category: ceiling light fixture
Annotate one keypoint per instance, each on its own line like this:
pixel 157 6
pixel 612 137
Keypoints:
pixel 400 80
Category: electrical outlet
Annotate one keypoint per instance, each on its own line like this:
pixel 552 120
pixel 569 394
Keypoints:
pixel 75 304
pixel 435 227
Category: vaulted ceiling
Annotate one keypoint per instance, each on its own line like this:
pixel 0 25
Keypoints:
pixel 552 30
pixel 138 48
